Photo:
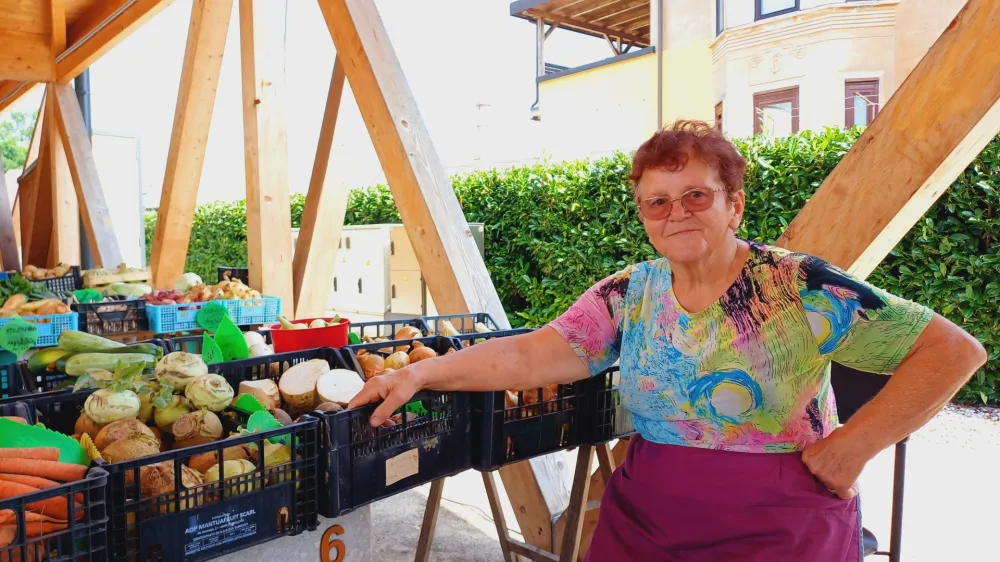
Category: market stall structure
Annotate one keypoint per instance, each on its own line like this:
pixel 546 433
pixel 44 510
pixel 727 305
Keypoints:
pixel 939 119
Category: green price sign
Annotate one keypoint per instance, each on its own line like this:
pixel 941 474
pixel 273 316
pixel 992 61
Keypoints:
pixel 231 341
pixel 210 352
pixel 211 315
pixel 18 336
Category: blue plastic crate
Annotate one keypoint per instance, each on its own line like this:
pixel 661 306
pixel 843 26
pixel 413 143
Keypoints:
pixel 4 276
pixel 50 326
pixel 165 319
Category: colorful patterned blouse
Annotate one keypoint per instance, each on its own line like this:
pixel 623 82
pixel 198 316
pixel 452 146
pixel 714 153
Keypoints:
pixel 752 371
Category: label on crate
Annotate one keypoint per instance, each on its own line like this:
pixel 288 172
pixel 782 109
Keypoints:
pixel 204 533
pixel 402 466
pixel 210 352
pixel 231 341
pixel 211 315
pixel 18 336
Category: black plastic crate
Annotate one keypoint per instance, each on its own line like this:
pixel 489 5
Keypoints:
pixel 367 464
pixel 233 273
pixel 72 281
pixel 12 377
pixel 463 323
pixel 608 417
pixel 209 520
pixel 84 537
pixel 120 316
pixel 192 344
pixel 387 328
pixel 510 427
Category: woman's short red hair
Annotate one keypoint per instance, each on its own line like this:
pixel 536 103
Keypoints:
pixel 672 147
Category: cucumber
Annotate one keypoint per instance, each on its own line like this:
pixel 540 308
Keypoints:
pixel 80 362
pixel 144 348
pixel 40 361
pixel 75 340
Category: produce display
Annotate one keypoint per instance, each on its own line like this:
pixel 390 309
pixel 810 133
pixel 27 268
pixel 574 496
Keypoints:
pixel 25 298
pixel 199 292
pixel 77 352
pixel 316 323
pixel 39 273
pixel 123 274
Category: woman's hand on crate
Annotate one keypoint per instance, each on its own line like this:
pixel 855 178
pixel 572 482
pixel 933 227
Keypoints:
pixel 523 362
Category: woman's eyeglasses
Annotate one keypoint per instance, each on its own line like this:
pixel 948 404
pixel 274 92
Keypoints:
pixel 693 201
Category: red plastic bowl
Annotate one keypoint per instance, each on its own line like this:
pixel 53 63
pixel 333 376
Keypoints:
pixel 309 338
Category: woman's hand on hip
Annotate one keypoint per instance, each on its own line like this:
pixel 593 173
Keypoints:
pixel 836 462
pixel 394 390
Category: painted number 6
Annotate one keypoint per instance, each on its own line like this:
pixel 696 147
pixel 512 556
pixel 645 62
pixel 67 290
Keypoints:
pixel 331 543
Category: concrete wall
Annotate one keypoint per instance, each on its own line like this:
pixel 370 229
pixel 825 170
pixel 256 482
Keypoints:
pixel 688 33
pixel 607 108
pixel 816 49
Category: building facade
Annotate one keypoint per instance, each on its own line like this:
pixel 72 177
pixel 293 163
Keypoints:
pixel 769 67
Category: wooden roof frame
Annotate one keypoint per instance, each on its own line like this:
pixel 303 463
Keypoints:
pixel 626 20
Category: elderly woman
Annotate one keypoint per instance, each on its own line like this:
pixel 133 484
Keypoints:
pixel 725 348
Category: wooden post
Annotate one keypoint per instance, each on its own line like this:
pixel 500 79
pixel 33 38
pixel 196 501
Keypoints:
pixel 27 192
pixel 65 239
pixel 8 238
pixel 39 214
pixel 322 217
pixel 448 257
pixel 206 42
pixel 65 111
pixel 269 217
pixel 938 120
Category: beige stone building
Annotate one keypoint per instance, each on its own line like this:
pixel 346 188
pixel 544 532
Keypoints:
pixel 750 66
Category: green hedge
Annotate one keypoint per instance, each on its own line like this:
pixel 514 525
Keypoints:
pixel 555 229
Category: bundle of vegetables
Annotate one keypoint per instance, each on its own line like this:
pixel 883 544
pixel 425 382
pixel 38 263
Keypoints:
pixel 24 298
pixel 225 290
pixel 316 323
pixel 39 273
pixel 25 471
pixel 78 351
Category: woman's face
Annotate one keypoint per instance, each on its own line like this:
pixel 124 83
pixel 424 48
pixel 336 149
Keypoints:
pixel 685 236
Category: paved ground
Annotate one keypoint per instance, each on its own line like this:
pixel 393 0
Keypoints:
pixel 951 494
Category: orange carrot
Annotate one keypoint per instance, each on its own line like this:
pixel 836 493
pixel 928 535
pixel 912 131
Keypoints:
pixel 57 507
pixel 34 551
pixel 53 470
pixel 36 453
pixel 40 483
pixel 17 419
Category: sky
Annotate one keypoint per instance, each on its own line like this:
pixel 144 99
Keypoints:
pixel 469 64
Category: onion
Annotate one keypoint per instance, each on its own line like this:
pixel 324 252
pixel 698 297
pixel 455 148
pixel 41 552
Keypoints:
pixel 406 333
pixel 196 428
pixel 105 406
pixel 120 429
pixel 158 479
pixel 282 416
pixel 232 469
pixel 371 364
pixel 86 425
pixel 421 352
pixel 204 461
pixel 179 368
pixel 397 360
pixel 211 392
pixel 131 447
pixel 165 417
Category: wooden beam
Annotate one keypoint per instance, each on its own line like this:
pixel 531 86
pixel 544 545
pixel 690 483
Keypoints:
pixel 26 194
pixel 455 272
pixel 199 83
pixel 11 91
pixel 65 111
pixel 26 57
pixel 322 217
pixel 8 239
pixel 39 216
pixel 65 239
pixel 939 119
pixel 16 216
pixel 98 31
pixel 269 218
pixel 36 136
pixel 586 25
pixel 57 26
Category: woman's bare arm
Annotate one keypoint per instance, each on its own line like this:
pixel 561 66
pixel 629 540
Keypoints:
pixel 943 359
pixel 522 362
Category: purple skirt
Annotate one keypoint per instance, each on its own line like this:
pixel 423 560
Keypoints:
pixel 668 502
